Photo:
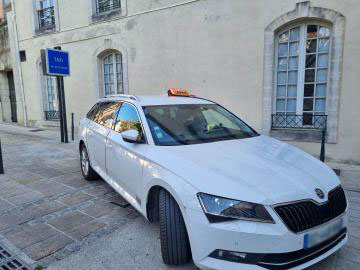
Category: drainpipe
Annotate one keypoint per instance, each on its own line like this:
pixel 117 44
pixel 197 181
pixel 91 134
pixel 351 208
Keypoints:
pixel 17 60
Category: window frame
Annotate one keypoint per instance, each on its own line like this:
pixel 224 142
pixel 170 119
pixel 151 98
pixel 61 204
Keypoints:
pixel 37 30
pixel 115 82
pixel 139 116
pixel 108 14
pixel 97 7
pixel 51 80
pixel 301 66
pixel 43 86
pixel 52 17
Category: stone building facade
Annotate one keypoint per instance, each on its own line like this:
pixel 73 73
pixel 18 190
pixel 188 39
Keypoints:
pixel 288 68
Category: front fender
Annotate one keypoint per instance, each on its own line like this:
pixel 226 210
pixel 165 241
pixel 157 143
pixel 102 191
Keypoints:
pixel 184 193
pixel 82 134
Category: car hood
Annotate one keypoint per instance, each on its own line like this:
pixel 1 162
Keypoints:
pixel 258 169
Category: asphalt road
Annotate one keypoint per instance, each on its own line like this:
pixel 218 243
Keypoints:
pixel 135 246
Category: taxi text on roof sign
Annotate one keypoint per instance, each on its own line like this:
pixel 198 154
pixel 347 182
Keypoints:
pixel 179 92
pixel 55 62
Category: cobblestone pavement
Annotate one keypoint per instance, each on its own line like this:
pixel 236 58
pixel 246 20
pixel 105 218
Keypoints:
pixel 48 211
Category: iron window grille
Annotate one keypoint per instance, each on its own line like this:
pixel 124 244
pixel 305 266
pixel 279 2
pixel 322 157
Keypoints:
pixel 103 6
pixel 46 18
pixel 51 110
pixel 52 115
pixel 304 121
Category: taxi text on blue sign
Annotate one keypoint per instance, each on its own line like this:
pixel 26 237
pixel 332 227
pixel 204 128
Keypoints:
pixel 57 63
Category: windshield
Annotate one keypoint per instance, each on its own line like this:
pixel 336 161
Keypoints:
pixel 194 123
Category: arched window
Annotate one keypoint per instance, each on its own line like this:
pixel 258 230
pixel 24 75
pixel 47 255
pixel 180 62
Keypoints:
pixel 113 74
pixel 301 79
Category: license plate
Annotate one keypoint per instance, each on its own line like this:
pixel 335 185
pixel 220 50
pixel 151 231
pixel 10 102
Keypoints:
pixel 322 234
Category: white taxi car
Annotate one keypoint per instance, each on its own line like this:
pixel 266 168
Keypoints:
pixel 223 194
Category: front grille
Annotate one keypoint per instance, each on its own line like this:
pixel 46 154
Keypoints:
pixel 305 215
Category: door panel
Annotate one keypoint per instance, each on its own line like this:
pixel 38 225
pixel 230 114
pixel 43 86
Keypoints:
pixel 98 129
pixel 124 163
pixel 96 139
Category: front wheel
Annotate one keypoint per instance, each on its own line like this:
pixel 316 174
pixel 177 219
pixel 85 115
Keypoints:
pixel 175 247
pixel 87 171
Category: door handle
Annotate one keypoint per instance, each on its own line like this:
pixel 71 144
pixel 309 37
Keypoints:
pixel 109 145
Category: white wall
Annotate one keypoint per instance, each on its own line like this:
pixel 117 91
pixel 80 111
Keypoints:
pixel 214 48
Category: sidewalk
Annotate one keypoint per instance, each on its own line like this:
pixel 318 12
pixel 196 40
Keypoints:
pixel 53 217
pixel 47 209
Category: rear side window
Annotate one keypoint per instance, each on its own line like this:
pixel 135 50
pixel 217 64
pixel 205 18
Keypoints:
pixel 105 113
pixel 90 115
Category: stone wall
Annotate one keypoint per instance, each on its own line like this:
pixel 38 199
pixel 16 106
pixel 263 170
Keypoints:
pixel 214 48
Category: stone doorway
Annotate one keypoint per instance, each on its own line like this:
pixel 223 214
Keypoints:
pixel 12 96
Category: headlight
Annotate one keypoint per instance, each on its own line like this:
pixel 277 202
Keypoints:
pixel 218 209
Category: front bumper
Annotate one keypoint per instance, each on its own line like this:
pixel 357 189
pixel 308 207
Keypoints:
pixel 278 247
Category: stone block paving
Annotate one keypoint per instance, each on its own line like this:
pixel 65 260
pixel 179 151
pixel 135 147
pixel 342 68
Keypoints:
pixel 47 209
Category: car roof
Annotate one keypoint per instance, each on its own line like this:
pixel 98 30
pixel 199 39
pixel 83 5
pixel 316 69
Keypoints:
pixel 157 100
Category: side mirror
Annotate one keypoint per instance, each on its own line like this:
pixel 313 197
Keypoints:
pixel 131 136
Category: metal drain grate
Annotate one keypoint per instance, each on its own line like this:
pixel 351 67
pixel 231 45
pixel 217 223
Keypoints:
pixel 9 262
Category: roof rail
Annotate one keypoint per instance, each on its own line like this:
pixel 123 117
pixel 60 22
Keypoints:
pixel 124 96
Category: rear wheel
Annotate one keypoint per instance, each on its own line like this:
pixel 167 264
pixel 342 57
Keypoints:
pixel 87 171
pixel 175 247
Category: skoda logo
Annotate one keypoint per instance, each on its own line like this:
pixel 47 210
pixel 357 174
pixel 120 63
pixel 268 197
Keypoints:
pixel 319 193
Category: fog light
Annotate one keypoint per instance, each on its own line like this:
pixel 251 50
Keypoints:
pixel 234 256
pixel 238 254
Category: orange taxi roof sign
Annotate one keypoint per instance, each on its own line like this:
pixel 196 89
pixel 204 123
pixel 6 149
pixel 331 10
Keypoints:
pixel 179 92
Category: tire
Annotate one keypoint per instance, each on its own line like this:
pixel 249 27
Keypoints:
pixel 175 247
pixel 86 170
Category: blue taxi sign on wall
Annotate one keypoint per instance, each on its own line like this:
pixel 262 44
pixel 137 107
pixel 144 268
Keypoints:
pixel 55 62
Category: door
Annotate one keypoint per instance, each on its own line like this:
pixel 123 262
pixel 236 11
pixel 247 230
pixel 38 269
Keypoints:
pixel 124 161
pixel 97 131
pixel 12 96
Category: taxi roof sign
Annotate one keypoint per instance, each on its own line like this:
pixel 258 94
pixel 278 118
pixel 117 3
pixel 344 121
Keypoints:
pixel 179 92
